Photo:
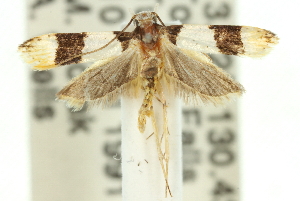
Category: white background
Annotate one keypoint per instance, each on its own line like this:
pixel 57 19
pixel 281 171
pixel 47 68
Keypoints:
pixel 269 119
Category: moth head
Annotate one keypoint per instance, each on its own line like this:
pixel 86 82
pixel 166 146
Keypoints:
pixel 145 18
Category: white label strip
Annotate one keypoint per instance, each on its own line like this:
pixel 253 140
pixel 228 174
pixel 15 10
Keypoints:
pixel 75 155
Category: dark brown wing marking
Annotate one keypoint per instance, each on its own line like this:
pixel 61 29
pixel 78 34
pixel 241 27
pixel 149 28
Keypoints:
pixel 228 39
pixel 173 31
pixel 69 44
pixel 124 38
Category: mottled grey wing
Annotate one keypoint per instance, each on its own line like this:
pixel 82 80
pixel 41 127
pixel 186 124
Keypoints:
pixel 192 75
pixel 104 81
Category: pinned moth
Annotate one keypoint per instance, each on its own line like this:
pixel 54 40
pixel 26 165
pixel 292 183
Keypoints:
pixel 142 62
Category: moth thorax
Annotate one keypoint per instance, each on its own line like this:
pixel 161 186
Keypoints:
pixel 150 67
pixel 148 38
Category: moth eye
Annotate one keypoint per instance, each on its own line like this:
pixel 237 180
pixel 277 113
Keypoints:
pixel 155 19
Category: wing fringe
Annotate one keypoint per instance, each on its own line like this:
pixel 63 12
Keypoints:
pixel 128 90
pixel 103 82
pixel 193 77
pixel 191 96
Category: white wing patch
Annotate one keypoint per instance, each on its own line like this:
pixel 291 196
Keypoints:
pixel 99 39
pixel 198 38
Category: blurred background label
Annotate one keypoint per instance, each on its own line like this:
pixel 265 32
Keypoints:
pixel 75 154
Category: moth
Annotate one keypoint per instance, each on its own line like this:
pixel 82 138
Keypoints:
pixel 142 62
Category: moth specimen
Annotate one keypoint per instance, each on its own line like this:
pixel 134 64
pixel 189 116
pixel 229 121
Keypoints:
pixel 141 62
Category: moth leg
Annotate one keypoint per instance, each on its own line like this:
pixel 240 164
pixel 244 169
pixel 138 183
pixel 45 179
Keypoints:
pixel 161 156
pixel 145 111
pixel 166 132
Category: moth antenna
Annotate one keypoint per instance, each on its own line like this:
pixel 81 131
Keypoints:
pixel 160 20
pixel 130 10
pixel 156 7
pixel 96 50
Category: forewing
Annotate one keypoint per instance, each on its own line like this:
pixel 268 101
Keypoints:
pixel 192 75
pixel 224 39
pixel 103 82
pixel 58 49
